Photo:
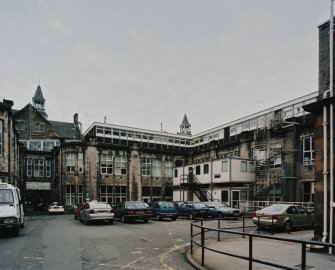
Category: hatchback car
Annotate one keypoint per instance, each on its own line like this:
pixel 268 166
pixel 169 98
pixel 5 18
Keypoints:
pixel 193 210
pixel 164 209
pixel 287 216
pixel 220 210
pixel 55 208
pixel 96 211
pixel 132 210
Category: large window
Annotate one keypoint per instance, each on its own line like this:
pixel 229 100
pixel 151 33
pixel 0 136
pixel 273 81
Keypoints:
pixel 70 162
pixel 168 168
pixel 251 167
pixel 244 166
pixel 70 195
pixel 206 168
pixel 197 170
pixel 106 164
pixel 80 162
pixel 39 127
pixel 19 124
pixel 35 145
pixel 156 168
pixel 38 168
pixel 146 166
pixel 121 165
pixel 106 194
pixel 308 151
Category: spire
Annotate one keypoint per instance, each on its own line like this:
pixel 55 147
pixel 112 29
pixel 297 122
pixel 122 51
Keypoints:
pixel 39 102
pixel 185 126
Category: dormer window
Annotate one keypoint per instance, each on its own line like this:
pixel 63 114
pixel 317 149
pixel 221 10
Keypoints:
pixel 39 127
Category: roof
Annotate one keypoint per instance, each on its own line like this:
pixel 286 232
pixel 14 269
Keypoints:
pixel 38 93
pixel 65 129
pixel 185 121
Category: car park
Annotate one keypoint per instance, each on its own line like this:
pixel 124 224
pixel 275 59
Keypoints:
pixel 163 210
pixel 11 209
pixel 56 208
pixel 193 210
pixel 221 210
pixel 133 210
pixel 96 211
pixel 286 216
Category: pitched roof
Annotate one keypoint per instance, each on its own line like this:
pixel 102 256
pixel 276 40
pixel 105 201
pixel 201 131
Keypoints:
pixel 38 93
pixel 185 121
pixel 65 130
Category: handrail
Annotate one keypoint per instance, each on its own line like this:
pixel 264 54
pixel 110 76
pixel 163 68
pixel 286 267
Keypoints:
pixel 251 236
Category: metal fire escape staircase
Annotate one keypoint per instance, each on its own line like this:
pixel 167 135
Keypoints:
pixel 266 177
pixel 195 186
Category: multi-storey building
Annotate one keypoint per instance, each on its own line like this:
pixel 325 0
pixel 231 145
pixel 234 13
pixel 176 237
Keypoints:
pixel 9 145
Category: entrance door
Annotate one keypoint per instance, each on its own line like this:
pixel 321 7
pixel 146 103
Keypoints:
pixel 235 198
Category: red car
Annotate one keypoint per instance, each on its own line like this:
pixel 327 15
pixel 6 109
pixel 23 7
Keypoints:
pixel 77 210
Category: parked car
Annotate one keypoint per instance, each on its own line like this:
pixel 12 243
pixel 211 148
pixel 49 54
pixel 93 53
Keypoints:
pixel 193 210
pixel 287 216
pixel 132 210
pixel 221 209
pixel 96 211
pixel 78 209
pixel 55 208
pixel 164 209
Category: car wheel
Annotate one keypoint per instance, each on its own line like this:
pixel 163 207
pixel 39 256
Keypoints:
pixel 288 226
pixel 111 222
pixel 22 225
pixel 174 218
pixel 16 231
pixel 220 215
pixel 86 222
pixel 123 219
pixel 158 217
pixel 190 216
pixel 146 221
pixel 75 217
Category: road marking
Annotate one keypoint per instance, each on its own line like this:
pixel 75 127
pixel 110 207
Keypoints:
pixel 32 258
pixel 162 257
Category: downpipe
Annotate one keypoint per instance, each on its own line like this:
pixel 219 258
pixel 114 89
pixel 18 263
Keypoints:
pixel 331 88
pixel 325 173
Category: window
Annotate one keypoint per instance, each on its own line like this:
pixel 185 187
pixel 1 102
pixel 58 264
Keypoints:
pixel 243 166
pixel 308 151
pixel 106 194
pixel 70 162
pixel 39 127
pixel 275 161
pixel 20 125
pixel 48 145
pixel 35 145
pixel 106 164
pixel 258 154
pixel 120 194
pixel 225 165
pixel 206 168
pixel 121 165
pixel 169 168
pixel 146 166
pixel 38 168
pixel 48 168
pixel 156 167
pixel 80 194
pixel 29 167
pixel 175 173
pixel 251 167
pixel 70 195
pixel 80 162
pixel 197 170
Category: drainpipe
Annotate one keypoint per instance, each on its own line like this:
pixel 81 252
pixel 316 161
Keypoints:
pixel 331 86
pixel 325 172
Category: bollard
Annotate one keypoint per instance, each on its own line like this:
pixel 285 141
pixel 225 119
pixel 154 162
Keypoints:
pixel 250 252
pixel 191 238
pixel 202 246
pixel 243 226
pixel 219 227
pixel 303 256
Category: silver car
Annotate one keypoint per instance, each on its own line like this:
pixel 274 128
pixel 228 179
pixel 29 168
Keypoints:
pixel 97 211
pixel 287 216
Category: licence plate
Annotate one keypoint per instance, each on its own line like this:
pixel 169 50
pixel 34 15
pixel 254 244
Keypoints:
pixel 140 212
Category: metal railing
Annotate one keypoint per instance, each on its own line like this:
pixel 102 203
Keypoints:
pixel 251 236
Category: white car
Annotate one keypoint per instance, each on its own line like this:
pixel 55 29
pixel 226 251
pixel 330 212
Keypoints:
pixel 55 208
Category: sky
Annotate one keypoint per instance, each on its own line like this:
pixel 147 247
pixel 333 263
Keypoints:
pixel 145 63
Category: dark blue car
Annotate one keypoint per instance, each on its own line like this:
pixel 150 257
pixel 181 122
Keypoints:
pixel 164 210
pixel 193 210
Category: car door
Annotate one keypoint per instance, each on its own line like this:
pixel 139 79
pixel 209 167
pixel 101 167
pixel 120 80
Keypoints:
pixel 293 213
pixel 305 218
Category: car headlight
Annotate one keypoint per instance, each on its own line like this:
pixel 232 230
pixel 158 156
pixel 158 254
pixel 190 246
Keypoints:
pixel 10 220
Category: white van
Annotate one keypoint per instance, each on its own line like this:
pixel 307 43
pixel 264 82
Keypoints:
pixel 11 209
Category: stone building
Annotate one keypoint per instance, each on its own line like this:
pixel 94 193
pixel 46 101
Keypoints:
pixel 9 146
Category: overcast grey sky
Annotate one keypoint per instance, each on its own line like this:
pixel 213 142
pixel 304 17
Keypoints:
pixel 143 62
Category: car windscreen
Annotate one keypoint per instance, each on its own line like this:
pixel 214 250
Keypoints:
pixel 274 208
pixel 6 196
pixel 136 205
pixel 101 205
pixel 167 205
pixel 200 205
